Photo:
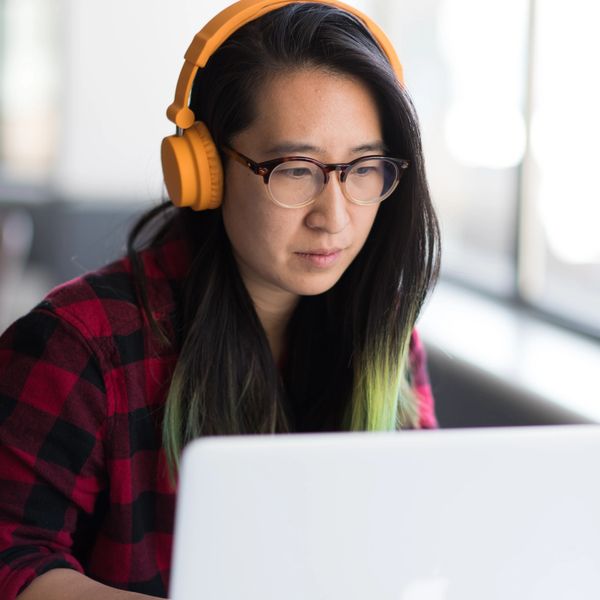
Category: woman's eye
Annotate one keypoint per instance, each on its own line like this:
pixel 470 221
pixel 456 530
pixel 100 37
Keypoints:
pixel 296 172
pixel 364 170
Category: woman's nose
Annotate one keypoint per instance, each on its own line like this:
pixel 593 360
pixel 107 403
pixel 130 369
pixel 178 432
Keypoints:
pixel 329 211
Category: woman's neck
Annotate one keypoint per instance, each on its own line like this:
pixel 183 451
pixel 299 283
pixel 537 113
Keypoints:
pixel 274 309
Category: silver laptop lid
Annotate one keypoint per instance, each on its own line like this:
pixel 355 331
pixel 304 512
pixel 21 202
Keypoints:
pixel 510 513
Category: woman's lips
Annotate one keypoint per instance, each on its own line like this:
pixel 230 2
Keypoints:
pixel 320 258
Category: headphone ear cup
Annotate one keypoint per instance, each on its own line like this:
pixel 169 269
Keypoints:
pixel 192 169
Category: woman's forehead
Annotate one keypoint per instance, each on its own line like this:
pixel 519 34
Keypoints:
pixel 316 110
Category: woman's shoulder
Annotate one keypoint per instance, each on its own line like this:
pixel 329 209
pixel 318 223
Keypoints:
pixel 421 383
pixel 106 302
pixel 91 334
pixel 96 301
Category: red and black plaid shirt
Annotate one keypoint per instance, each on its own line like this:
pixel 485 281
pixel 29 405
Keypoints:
pixel 83 479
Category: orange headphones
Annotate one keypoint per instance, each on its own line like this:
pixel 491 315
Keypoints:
pixel 191 165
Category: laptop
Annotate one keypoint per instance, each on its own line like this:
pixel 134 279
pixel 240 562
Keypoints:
pixel 477 514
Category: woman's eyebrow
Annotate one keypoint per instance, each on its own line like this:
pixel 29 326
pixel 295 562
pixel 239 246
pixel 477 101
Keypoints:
pixel 292 148
pixel 378 146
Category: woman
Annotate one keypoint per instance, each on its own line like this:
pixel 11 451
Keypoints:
pixel 288 308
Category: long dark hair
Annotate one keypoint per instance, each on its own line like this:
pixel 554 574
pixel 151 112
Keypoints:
pixel 346 365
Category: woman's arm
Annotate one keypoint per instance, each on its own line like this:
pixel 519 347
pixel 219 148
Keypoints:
pixel 66 584
pixel 51 456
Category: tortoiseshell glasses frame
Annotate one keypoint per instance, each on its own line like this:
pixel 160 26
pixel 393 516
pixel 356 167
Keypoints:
pixel 395 168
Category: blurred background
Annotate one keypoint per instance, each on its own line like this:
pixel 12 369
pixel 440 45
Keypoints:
pixel 507 92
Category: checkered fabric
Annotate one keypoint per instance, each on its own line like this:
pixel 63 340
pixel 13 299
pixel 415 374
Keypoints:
pixel 83 478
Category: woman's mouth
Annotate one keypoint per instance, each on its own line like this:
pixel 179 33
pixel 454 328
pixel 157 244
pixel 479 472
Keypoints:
pixel 321 258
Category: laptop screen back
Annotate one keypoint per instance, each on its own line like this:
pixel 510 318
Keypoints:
pixel 507 513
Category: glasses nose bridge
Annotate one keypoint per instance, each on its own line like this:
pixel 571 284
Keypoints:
pixel 342 168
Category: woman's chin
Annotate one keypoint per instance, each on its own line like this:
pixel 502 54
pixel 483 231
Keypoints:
pixel 313 286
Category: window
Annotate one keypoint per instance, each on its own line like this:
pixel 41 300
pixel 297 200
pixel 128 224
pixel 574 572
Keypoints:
pixel 507 93
pixel 560 236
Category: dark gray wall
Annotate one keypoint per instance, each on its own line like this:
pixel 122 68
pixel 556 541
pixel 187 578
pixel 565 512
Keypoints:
pixel 70 240
pixel 466 396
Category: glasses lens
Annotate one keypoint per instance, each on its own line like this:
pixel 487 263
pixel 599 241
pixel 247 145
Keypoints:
pixel 295 182
pixel 372 180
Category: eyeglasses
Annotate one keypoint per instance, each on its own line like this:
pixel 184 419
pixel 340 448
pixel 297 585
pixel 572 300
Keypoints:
pixel 296 181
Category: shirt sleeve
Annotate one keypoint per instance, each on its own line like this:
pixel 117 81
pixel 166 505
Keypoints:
pixel 52 419
pixel 421 383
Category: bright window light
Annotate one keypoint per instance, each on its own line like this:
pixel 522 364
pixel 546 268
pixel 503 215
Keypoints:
pixel 565 129
pixel 483 45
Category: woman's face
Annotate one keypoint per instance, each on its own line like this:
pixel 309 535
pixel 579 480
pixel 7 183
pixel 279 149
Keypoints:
pixel 287 252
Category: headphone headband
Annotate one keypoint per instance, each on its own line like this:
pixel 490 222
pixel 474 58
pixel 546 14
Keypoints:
pixel 191 164
pixel 221 26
